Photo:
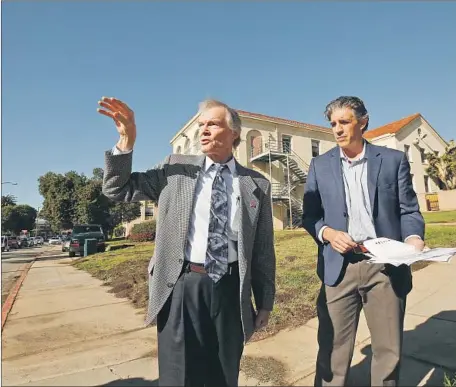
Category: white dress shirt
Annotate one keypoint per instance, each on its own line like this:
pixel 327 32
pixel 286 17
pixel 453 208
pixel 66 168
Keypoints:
pixel 198 230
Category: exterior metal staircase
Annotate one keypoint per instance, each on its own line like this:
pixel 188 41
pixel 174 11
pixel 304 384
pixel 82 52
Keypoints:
pixel 278 150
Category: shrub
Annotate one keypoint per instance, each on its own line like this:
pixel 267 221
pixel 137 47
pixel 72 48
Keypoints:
pixel 143 232
pixel 143 237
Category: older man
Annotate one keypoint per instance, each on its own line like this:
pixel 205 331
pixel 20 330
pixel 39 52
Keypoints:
pixel 214 246
pixel 354 192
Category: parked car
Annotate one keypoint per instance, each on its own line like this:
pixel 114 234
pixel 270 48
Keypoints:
pixel 14 242
pixel 39 240
pixel 5 246
pixel 55 241
pixel 26 242
pixel 80 233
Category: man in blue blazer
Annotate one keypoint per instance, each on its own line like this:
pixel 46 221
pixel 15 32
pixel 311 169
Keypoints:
pixel 354 192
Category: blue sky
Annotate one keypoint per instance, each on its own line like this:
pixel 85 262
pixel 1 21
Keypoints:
pixel 282 59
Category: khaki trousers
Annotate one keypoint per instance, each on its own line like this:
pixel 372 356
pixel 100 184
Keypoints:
pixel 366 286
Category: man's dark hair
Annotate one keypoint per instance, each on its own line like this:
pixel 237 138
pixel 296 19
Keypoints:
pixel 354 103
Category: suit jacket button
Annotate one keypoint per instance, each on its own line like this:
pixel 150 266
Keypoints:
pixel 170 284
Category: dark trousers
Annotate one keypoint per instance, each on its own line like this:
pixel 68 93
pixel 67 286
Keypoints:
pixel 200 336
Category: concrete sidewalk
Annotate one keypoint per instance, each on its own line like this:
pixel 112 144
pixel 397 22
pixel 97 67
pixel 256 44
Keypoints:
pixel 66 329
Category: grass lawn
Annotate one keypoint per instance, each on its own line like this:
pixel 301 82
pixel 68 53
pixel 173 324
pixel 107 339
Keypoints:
pixel 440 217
pixel 125 271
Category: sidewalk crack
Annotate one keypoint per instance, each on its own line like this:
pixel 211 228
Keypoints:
pixel 111 369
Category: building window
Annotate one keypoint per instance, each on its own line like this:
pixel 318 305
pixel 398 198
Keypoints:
pixel 423 155
pixel 179 149
pixel 149 209
pixel 407 152
pixel 187 146
pixel 315 148
pixel 286 144
pixel 426 184
pixel 256 145
pixel 196 141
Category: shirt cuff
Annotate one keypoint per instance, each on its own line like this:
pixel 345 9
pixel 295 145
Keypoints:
pixel 116 151
pixel 320 234
pixel 410 236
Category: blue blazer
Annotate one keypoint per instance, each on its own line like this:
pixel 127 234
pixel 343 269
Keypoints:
pixel 393 201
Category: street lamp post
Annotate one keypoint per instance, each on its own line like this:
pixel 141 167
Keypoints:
pixel 36 221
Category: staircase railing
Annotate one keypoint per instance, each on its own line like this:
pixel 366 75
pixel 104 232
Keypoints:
pixel 279 190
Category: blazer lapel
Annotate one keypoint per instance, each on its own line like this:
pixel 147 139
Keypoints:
pixel 248 207
pixel 374 161
pixel 188 200
pixel 336 167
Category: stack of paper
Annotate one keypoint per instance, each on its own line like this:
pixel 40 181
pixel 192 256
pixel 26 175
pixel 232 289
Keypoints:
pixel 384 250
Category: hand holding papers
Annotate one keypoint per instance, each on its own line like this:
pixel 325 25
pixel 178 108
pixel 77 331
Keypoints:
pixel 384 250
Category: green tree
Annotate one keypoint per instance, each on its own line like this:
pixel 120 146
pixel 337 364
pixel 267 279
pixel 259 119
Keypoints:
pixel 73 198
pixel 10 218
pixel 58 203
pixel 442 169
pixel 92 206
pixel 19 217
pixel 60 197
pixel 27 217
pixel 8 200
pixel 97 173
pixel 123 212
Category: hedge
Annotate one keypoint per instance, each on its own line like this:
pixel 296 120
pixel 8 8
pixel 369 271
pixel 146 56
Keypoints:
pixel 143 232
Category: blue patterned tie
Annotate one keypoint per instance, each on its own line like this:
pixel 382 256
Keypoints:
pixel 216 264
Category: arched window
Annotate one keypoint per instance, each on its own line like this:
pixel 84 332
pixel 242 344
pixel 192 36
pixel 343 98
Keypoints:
pixel 187 146
pixel 179 149
pixel 254 143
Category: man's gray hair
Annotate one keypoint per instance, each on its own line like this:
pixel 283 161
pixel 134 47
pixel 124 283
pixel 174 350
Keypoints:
pixel 354 103
pixel 232 117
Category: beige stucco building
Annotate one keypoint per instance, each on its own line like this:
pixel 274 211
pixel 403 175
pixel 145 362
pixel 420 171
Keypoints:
pixel 416 137
pixel 148 212
pixel 282 149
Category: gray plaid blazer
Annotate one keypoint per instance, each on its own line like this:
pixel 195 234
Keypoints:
pixel 172 184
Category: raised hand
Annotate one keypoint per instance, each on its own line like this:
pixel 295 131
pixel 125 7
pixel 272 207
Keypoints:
pixel 123 117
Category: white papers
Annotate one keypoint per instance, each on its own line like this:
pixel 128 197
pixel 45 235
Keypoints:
pixel 384 250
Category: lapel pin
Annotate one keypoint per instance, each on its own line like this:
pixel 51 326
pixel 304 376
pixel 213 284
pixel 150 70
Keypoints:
pixel 253 204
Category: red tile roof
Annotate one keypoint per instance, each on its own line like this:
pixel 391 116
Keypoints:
pixel 279 120
pixel 391 128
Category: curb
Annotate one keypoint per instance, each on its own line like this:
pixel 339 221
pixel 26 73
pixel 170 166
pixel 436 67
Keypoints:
pixel 9 302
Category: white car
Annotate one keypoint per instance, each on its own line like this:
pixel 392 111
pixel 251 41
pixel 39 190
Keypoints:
pixel 5 246
pixel 55 241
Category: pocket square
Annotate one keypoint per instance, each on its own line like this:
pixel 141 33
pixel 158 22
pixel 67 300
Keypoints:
pixel 253 204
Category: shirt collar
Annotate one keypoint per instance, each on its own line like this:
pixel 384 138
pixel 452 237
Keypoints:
pixel 360 157
pixel 231 164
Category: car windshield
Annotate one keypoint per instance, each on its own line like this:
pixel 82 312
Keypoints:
pixel 82 229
